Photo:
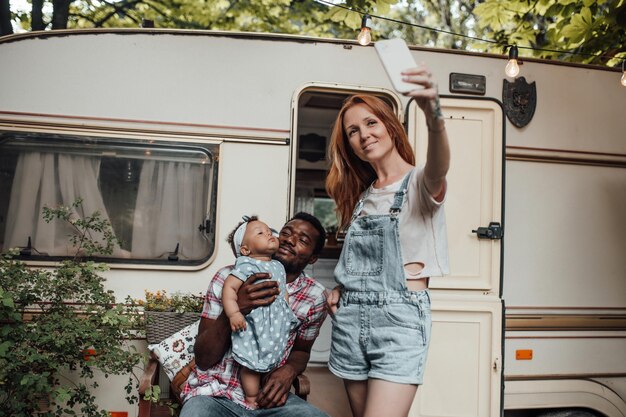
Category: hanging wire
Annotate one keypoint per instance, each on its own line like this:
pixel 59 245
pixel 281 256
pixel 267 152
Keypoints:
pixel 407 23
pixel 401 22
pixel 569 52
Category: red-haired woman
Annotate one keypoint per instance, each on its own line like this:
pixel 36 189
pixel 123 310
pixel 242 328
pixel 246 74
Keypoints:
pixel 396 232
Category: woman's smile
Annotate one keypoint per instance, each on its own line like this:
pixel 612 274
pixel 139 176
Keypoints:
pixel 369 146
pixel 368 136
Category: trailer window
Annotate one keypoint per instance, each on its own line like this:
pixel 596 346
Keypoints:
pixel 158 196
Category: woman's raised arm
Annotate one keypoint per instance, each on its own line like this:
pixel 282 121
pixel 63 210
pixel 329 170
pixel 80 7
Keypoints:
pixel 438 154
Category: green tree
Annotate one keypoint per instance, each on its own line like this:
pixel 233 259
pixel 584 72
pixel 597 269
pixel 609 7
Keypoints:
pixel 445 15
pixel 594 29
pixel 449 15
pixel 304 17
pixel 5 18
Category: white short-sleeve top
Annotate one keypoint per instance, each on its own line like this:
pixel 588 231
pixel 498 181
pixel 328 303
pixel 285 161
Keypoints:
pixel 422 224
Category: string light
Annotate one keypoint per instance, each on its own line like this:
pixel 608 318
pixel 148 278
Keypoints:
pixel 368 36
pixel 365 35
pixel 512 68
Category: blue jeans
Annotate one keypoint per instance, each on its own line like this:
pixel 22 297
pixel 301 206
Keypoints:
pixel 205 406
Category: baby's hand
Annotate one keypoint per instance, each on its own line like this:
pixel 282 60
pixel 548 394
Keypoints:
pixel 237 322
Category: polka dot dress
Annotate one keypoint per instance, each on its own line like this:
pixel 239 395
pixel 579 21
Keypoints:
pixel 261 346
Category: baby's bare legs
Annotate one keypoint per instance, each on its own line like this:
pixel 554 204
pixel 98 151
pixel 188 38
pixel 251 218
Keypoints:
pixel 251 384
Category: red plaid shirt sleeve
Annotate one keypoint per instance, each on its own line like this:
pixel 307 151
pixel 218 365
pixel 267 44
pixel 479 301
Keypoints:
pixel 309 304
pixel 213 299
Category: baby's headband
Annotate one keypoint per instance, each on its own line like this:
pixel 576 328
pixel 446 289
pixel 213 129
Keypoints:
pixel 241 230
pixel 238 236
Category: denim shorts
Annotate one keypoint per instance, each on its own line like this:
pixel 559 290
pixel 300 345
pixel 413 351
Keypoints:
pixel 383 335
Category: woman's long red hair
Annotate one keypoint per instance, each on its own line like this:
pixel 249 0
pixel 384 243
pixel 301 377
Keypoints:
pixel 349 176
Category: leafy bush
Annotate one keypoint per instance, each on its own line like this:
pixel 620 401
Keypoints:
pixel 62 320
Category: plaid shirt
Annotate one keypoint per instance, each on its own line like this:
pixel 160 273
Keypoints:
pixel 307 299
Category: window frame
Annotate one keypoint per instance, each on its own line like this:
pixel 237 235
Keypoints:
pixel 211 147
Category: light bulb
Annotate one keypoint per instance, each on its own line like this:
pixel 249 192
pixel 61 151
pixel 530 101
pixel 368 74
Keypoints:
pixel 365 36
pixel 512 69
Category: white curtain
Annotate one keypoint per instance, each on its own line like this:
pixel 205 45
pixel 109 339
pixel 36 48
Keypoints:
pixel 48 179
pixel 169 210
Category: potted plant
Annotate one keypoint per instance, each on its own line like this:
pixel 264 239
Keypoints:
pixel 166 314
pixel 62 321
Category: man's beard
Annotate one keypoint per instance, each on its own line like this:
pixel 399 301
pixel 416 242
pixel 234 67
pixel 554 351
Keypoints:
pixel 290 267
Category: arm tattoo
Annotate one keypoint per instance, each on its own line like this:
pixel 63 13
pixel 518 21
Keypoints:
pixel 437 109
pixel 435 116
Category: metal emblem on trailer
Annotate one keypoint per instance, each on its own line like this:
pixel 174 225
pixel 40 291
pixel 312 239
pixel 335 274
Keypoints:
pixel 520 100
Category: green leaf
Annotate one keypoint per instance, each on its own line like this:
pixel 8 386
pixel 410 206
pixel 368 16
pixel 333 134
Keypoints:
pixel 382 7
pixel 522 38
pixel 339 15
pixel 4 348
pixel 568 10
pixel 579 27
pixel 494 14
pixel 353 20
pixel 62 395
pixel 8 302
pixel 585 14
pixel 554 10
pixel 573 33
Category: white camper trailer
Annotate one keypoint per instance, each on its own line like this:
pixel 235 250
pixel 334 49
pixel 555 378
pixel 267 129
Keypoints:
pixel 175 134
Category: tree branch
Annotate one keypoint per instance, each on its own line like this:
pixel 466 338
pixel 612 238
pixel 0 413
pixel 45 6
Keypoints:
pixel 36 17
pixel 60 13
pixel 84 16
pixel 182 24
pixel 522 19
pixel 125 6
pixel 6 28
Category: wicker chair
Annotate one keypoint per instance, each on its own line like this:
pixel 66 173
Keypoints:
pixel 161 326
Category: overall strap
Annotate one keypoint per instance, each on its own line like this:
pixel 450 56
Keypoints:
pixel 359 205
pixel 398 198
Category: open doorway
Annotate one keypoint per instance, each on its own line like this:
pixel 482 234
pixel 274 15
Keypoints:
pixel 317 111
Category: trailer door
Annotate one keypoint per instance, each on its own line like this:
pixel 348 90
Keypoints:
pixel 463 374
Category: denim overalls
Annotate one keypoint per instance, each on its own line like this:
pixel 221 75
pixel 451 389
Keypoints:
pixel 380 330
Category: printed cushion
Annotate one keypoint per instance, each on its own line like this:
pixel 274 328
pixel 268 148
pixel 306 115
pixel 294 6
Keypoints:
pixel 175 352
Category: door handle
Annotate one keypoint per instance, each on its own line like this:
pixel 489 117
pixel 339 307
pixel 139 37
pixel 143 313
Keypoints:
pixel 493 231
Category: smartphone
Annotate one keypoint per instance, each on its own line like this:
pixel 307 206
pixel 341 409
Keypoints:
pixel 396 57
